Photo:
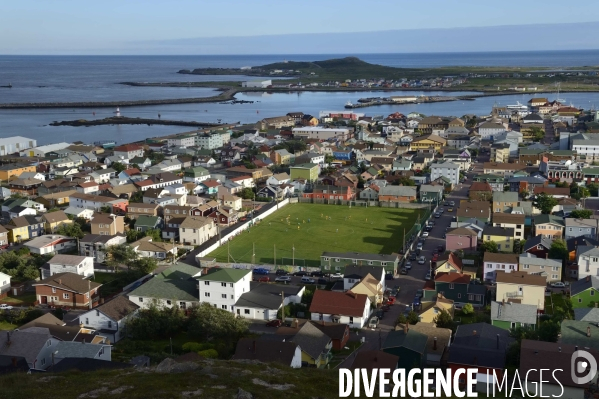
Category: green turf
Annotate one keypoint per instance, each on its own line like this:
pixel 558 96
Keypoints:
pixel 359 229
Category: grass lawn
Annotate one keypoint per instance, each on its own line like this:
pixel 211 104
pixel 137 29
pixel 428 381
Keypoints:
pixel 21 299
pixel 557 300
pixel 359 229
pixel 4 325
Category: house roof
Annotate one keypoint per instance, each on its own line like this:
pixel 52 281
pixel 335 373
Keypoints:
pixel 431 137
pixel 498 231
pixel 27 344
pixel 400 191
pixel 531 259
pixel 544 219
pixel 266 296
pixel 514 312
pixel 508 218
pixel 359 272
pixel 455 278
pixel 520 278
pixel 571 222
pixel 78 349
pixel 584 284
pixel 552 190
pixel 461 231
pixel 338 303
pixel 441 335
pixel 535 241
pixel 175 283
pixel 480 344
pixel 311 340
pixel 481 186
pixel 500 258
pixel 195 222
pixel 45 240
pixel 413 340
pixel 55 217
pixel 505 196
pixel 145 220
pixel 576 242
pixel 550 355
pixel 226 275
pixel 67 260
pixel 117 308
pixel 332 330
pixel 587 314
pixel 265 351
pixel 373 359
pixel 577 333
pixel 69 282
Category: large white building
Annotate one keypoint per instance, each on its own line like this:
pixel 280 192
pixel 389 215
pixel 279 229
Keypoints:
pixel 446 169
pixel 262 84
pixel 111 317
pixel 224 287
pixel 321 133
pixel 82 265
pixel 488 130
pixel 11 145
pixel 188 140
pixel 213 141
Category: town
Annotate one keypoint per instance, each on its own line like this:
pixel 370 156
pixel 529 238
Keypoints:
pixel 329 241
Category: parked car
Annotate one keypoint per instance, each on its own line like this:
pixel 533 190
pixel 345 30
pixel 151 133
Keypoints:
pixel 421 260
pixel 451 203
pixel 425 234
pixel 322 281
pixel 379 314
pixel 441 249
pixel 386 308
pixel 317 274
pixel 449 209
pixel 428 276
pixel 281 272
pixel 336 275
pixel 274 323
pixel 441 210
pixel 300 274
pixel 408 265
pixel 446 203
pixel 308 280
pixel 416 303
pixel 260 270
pixel 435 257
pixel 558 284
pixel 374 322
pixel 419 246
pixel 413 256
pixel 389 276
pixel 263 280
pixel 437 215
pixel 403 271
pixel 5 307
pixel 407 310
pixel 391 300
pixel 283 279
pixel 420 293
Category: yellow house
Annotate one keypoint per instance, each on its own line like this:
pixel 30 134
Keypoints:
pixel 58 199
pixel 504 237
pixel 527 129
pixel 315 345
pixel 442 303
pixel 521 287
pixel 428 142
pixel 370 287
pixel 13 170
pixel 53 220
pixel 17 234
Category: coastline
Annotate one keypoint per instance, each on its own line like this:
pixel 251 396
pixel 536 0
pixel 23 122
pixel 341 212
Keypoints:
pixel 123 120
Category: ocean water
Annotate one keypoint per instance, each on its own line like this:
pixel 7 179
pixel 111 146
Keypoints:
pixel 96 78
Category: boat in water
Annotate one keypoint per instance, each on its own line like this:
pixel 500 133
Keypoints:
pixel 517 106
pixel 349 104
pixel 106 144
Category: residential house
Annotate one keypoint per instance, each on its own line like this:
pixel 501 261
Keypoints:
pixel 512 221
pixel 325 192
pixel 461 238
pixel 107 225
pixel 437 342
pixel 196 174
pixel 222 288
pixel 53 220
pixel 431 193
pixel 494 262
pixel 67 289
pixel 340 307
pixel 129 151
pixel 146 248
pixel 480 191
pixel 4 285
pixel 508 315
pixel 269 351
pixel 196 230
pixel 481 346
pixel 24 228
pixel 94 245
pixel 97 202
pixel 488 130
pixel 439 305
pixel 82 265
pixel 502 169
pixel 88 187
pixel 479 210
pixel 144 223
pixel 371 287
pixel 397 194
pixel 175 286
pixel 549 268
pixel 587 261
pixel 282 157
pixel 3 236
pixel 176 211
pixel 446 169
pixel 48 244
pixel 407 344
pixel 135 210
pixel 263 301
pixel 584 293
pixel 231 201
pixel 502 201
pixel 538 246
pixel 587 314
pixel 315 345
pixel 110 318
pixel 429 142
pixel 55 200
pixel 9 171
pixel 278 179
pixel 353 274
pixel 550 227
pixel 34 345
pixel 457 287
pixel 581 227
pixel 337 261
pixel 504 237
pixel 450 263
pixel 521 287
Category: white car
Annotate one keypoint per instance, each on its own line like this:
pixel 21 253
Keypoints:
pixel 408 265
pixel 558 284
pixel 5 307
pixel 336 275
pixel 425 234
pixel 283 279
pixel 421 260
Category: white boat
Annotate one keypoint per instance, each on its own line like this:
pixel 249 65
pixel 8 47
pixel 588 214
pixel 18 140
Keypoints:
pixel 517 106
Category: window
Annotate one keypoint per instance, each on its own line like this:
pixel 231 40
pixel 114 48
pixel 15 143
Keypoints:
pixel 246 311
pixel 43 361
pixel 53 290
pixel 141 299
pixel 223 284
pixel 207 294
pixel 451 286
pixel 592 292
pixel 224 307
pixel 49 343
pixel 65 295
pixel 109 324
pixel 168 302
pixel 459 296
pixel 87 295
pixel 224 296
pixel 383 264
pixel 326 259
pixel 579 300
pixel 336 259
pixel 470 297
pixel 351 320
pixel 206 282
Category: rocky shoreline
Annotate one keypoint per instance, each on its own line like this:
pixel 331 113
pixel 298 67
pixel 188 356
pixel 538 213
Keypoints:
pixel 122 120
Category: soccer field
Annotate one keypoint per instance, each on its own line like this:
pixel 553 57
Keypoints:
pixel 312 229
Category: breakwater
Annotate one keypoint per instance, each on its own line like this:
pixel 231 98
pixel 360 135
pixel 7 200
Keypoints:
pixel 122 120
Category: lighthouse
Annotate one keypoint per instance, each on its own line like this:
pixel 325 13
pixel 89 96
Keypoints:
pixel 118 111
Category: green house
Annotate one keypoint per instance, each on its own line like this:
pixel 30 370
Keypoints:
pixel 508 315
pixel 196 174
pixel 307 171
pixel 409 346
pixel 457 287
pixel 430 193
pixel 336 261
pixel 584 293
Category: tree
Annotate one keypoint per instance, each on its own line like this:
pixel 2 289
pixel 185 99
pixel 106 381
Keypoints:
pixel 328 159
pixel 443 319
pixel 404 181
pixel 490 246
pixel 524 193
pixel 558 250
pixel 467 309
pixel 106 209
pixel 537 133
pixel 154 234
pixel 413 318
pixel 401 319
pixel 122 254
pixel 581 214
pixel 156 322
pixel 70 230
pixel 545 203
pixel 118 167
pixel 518 245
pixel 207 322
pixel 133 235
pixel 144 265
pixel 593 189
pixel 137 197
pixel 246 193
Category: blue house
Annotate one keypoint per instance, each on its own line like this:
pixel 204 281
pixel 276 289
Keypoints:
pixel 343 155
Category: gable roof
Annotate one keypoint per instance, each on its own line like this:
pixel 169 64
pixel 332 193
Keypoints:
pixel 413 340
pixel 581 241
pixel 69 282
pixel 543 219
pixel 265 351
pixel 311 340
pixel 520 278
pixel 535 241
pixel 225 275
pixel 587 314
pixel 27 344
pixel 500 258
pixel 266 296
pixel 454 278
pixel 176 282
pixel 374 359
pixel 584 284
pixel 581 333
pixel 55 217
pixel 118 308
pixel 359 272
pixel 461 231
pixel 338 303
pixel 514 312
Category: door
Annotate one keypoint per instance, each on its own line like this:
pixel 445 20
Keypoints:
pixel 44 299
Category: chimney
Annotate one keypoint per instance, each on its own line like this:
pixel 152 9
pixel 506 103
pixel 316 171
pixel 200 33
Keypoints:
pixel 588 331
pixel 473 332
pixel 435 344
pixel 60 281
pixel 547 255
pixel 497 341
pixel 576 348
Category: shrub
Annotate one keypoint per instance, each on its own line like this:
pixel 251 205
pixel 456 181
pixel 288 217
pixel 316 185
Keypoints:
pixel 467 309
pixel 209 354
pixel 192 347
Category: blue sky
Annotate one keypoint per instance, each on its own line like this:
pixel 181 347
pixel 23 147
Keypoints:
pixel 136 26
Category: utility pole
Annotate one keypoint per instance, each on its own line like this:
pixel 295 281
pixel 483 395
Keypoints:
pixel 275 253
pixel 254 253
pixel 282 307
pixel 293 255
pixel 228 253
pixel 89 288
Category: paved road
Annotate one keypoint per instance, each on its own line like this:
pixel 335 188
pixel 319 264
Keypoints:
pixel 549 132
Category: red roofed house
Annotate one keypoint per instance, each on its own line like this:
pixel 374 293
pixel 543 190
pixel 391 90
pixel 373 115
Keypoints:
pixel 556 192
pixel 340 307
pixel 449 264
pixel 88 187
pixel 480 191
pixel 129 151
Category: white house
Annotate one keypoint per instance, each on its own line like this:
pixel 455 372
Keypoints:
pixel 262 84
pixel 354 274
pixel 110 317
pixel 196 230
pixel 51 243
pixel 224 287
pixel 187 140
pixel 79 212
pixel 488 130
pixel 4 283
pixel 102 175
pixel 129 151
pixel 244 181
pixel 169 165
pixel 494 262
pixel 82 265
pixel 278 179
pixel 588 261
pixel 446 169
pixel 36 345
pixel 340 307
pixel 264 300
